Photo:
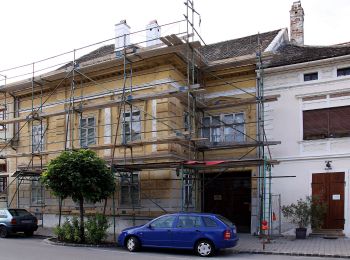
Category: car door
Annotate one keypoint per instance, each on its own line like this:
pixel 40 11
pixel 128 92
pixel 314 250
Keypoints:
pixel 159 232
pixel 188 229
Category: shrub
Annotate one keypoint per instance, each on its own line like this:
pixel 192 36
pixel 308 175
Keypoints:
pixel 69 231
pixel 310 210
pixel 96 229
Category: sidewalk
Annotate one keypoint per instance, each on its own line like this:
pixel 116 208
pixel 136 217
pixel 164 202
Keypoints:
pixel 311 246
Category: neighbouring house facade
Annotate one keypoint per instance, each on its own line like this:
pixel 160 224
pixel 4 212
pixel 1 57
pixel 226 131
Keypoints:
pixel 312 120
pixel 178 139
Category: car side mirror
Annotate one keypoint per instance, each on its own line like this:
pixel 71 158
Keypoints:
pixel 150 226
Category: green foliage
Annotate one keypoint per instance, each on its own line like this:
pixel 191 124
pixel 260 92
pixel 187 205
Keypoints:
pixel 81 175
pixel 96 228
pixel 69 231
pixel 310 210
pixel 76 230
pixel 318 212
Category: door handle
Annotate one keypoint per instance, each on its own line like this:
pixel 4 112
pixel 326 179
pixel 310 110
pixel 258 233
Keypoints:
pixel 198 230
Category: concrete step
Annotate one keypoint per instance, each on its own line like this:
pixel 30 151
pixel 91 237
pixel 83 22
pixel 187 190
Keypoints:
pixel 328 233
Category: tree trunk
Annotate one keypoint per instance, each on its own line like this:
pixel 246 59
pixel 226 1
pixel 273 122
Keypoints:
pixel 59 210
pixel 104 207
pixel 82 229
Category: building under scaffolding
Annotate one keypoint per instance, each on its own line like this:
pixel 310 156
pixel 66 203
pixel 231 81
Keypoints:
pixel 180 122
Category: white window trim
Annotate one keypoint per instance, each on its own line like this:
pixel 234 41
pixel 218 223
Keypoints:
pixel 42 141
pixel 129 205
pixel 87 136
pixel 128 119
pixel 222 126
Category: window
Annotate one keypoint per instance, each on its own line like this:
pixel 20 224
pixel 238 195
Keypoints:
pixel 87 131
pixel 163 222
pixel 326 123
pixel 2 117
pixel 311 76
pixel 208 222
pixel 37 191
pixel 38 138
pixel 132 126
pixel 130 189
pixel 224 128
pixel 343 72
pixel 3 184
pixel 188 188
pixel 189 222
pixel 186 121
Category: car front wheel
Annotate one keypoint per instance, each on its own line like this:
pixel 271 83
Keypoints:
pixel 204 248
pixel 133 244
pixel 3 232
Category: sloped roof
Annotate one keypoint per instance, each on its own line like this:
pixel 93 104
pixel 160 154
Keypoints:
pixel 238 47
pixel 292 54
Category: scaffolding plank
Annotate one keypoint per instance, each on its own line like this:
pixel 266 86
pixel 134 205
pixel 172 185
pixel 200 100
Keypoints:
pixel 240 102
pixel 205 146
pixel 176 164
pixel 140 97
pixel 172 139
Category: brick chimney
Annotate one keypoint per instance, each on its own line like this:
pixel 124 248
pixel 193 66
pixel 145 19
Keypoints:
pixel 297 24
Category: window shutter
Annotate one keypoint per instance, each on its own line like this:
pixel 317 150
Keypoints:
pixel 315 124
pixel 339 121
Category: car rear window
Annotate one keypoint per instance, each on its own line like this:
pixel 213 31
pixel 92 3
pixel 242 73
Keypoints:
pixel 19 212
pixel 226 221
pixel 208 222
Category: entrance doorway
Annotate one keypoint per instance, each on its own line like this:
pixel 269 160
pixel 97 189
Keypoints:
pixel 229 194
pixel 329 187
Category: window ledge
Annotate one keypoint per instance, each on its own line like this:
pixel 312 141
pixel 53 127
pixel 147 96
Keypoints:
pixel 324 140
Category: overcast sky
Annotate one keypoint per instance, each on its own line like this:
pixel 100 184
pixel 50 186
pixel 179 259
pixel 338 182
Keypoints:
pixel 35 29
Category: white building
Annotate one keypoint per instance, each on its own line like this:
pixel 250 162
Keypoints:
pixel 312 120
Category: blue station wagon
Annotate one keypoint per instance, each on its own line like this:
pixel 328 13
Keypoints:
pixel 204 233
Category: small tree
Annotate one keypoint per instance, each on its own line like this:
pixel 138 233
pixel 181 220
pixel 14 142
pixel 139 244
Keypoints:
pixel 82 175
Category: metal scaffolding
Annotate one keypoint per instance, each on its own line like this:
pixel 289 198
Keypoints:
pixel 70 80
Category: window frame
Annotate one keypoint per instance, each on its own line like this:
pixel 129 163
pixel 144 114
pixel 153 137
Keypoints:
pixel 222 126
pixel 39 146
pixel 130 203
pixel 345 70
pixel 310 76
pixel 2 117
pixel 3 183
pixel 37 188
pixel 129 121
pixel 86 127
pixel 329 124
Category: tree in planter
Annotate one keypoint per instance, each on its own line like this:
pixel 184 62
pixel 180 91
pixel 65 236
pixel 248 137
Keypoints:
pixel 82 175
pixel 310 210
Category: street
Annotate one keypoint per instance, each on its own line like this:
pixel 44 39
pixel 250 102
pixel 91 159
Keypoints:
pixel 16 248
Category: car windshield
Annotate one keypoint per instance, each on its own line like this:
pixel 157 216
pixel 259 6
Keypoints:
pixel 19 212
pixel 226 221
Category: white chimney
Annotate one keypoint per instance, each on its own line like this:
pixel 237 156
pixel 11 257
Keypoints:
pixel 122 34
pixel 297 24
pixel 152 33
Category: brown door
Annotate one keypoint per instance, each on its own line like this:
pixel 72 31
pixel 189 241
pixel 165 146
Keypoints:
pixel 329 187
pixel 229 194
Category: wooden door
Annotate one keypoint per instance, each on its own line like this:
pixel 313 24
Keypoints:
pixel 329 187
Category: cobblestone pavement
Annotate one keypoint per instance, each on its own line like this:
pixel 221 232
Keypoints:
pixel 312 246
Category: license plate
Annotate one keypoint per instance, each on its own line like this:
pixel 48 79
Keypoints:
pixel 26 221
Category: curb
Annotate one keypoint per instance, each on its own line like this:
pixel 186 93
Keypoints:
pixel 50 242
pixel 292 254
